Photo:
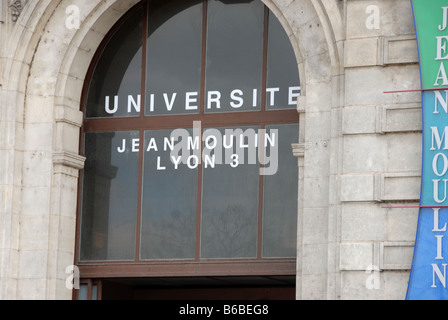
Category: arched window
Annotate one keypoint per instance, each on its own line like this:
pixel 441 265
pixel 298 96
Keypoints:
pixel 190 113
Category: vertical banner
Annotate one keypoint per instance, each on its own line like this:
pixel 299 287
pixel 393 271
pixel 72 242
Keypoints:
pixel 428 279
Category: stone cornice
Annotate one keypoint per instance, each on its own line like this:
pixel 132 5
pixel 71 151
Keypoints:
pixel 69 159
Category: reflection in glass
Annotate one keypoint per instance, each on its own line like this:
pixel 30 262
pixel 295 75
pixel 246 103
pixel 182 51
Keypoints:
pixel 109 203
pixel 169 199
pixel 282 72
pixel 234 56
pixel 174 57
pixel 230 188
pixel 230 202
pixel 83 292
pixel 280 198
pixel 115 85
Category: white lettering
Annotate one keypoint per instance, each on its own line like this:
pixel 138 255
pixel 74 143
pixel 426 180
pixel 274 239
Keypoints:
pixel 242 145
pixel 209 161
pixel 123 147
pixel 176 163
pixel 436 221
pixel 135 145
pixel 159 167
pixel 195 163
pixel 169 104
pixel 214 97
pixel 272 158
pixel 444 21
pixel 441 75
pixel 294 93
pixel 442 277
pixel 224 139
pixel 272 92
pixel 235 161
pixel 436 137
pixel 271 139
pixel 193 143
pixel 152 145
pixel 254 98
pixel 151 103
pixel 207 142
pixel 443 103
pixel 434 164
pixel 132 103
pixel 435 183
pixel 189 100
pixel 107 107
pixel 441 47
pixel 168 144
pixel 439 247
pixel 236 96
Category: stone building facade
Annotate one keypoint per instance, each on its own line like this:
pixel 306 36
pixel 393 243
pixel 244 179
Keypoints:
pixel 359 151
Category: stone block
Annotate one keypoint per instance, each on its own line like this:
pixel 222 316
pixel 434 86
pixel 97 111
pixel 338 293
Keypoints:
pixel 359 120
pixel 356 256
pixel 398 50
pixel 37 169
pixel 400 186
pixel 34 232
pixel 364 153
pixel 32 264
pixel 362 285
pixel 363 222
pixel 401 221
pixel 404 152
pixel 39 136
pixel 312 229
pixel 360 90
pixel 391 18
pixel 401 118
pixel 357 187
pixel 396 255
pixel 362 52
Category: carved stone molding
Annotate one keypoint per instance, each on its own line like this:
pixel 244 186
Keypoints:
pixel 16 7
pixel 69 159
pixel 298 150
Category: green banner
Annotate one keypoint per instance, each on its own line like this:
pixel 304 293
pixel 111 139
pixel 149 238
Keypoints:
pixel 431 27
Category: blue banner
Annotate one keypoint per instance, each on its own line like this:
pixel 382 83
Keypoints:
pixel 428 278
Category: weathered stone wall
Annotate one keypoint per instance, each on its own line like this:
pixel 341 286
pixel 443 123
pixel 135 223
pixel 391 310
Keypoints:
pixel 380 178
pixel 359 152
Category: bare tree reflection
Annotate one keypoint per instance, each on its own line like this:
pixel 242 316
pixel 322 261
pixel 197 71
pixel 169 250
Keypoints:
pixel 229 233
pixel 170 237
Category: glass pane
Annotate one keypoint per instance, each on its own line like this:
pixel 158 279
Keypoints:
pixel 109 204
pixel 115 86
pixel 174 57
pixel 169 196
pixel 234 56
pixel 83 292
pixel 283 84
pixel 280 197
pixel 95 292
pixel 230 194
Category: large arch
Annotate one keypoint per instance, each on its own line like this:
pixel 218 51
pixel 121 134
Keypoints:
pixel 46 68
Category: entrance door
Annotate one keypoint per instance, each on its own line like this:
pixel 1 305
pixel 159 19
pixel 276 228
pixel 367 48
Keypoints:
pixel 205 288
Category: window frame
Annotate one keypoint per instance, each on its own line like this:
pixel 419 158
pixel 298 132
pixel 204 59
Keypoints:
pixel 262 118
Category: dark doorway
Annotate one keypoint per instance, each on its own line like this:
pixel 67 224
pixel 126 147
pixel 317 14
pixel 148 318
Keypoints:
pixel 199 288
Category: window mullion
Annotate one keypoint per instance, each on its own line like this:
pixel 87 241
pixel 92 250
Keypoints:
pixel 141 135
pixel 202 111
